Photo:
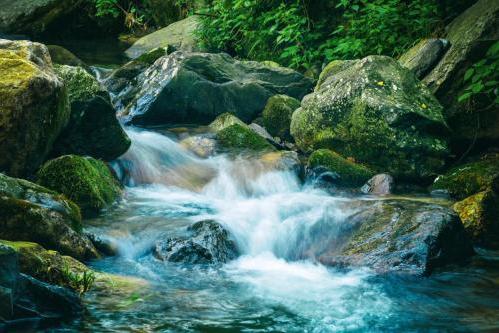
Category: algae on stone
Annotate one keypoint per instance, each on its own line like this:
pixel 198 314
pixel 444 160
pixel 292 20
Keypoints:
pixel 88 182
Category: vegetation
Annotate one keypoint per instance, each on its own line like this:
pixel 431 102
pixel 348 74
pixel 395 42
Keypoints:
pixel 304 33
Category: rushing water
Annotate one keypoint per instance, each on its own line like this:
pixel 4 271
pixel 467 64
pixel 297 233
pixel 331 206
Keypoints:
pixel 265 290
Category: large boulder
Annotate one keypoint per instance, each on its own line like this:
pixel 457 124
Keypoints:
pixel 33 106
pixel 424 56
pixel 87 181
pixel 207 243
pixel 407 236
pixel 277 115
pixel 470 35
pixel 32 16
pixel 377 112
pixel 346 172
pixel 197 87
pixel 92 129
pixel 179 35
pixel 30 212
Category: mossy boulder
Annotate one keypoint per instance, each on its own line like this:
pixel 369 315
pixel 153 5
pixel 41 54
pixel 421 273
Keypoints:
pixel 349 173
pixel 470 35
pixel 179 35
pixel 33 106
pixel 377 112
pixel 470 178
pixel 480 216
pixel 62 56
pixel 197 87
pixel 93 129
pixel 242 138
pixel 87 181
pixel 30 212
pixel 225 120
pixel 423 56
pixel 277 115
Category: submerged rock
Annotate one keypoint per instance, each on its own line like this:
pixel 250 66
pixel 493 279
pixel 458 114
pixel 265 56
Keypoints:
pixel 470 36
pixel 88 182
pixel 380 184
pixel 208 243
pixel 423 57
pixel 200 145
pixel 281 161
pixel 348 173
pixel 93 128
pixel 179 35
pixel 377 112
pixel 30 212
pixel 197 87
pixel 412 237
pixel 34 106
pixel 277 115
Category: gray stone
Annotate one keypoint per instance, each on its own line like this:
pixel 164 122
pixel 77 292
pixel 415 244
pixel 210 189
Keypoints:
pixel 423 57
pixel 381 184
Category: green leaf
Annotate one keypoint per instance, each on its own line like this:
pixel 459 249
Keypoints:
pixel 468 74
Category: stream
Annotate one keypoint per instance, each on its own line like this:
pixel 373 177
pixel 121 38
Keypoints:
pixel 168 188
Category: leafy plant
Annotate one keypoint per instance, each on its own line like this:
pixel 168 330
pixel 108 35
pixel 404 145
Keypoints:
pixel 482 78
pixel 80 282
pixel 133 14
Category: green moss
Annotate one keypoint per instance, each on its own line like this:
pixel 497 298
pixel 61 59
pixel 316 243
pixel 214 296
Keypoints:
pixel 241 137
pixel 150 57
pixel 86 181
pixel 81 86
pixel 470 178
pixel 277 115
pixel 333 67
pixel 351 173
pixel 225 120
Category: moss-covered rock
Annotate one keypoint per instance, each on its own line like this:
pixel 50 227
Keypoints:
pixel 349 172
pixel 377 112
pixel 480 216
pixel 93 128
pixel 225 120
pixel 242 137
pixel 423 56
pixel 277 115
pixel 88 182
pixel 470 178
pixel 30 212
pixel 33 106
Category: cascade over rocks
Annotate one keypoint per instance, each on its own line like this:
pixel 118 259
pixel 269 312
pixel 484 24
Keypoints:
pixel 33 106
pixel 197 87
pixel 376 112
pixel 208 243
pixel 87 181
pixel 470 35
pixel 30 212
pixel 92 128
pixel 412 237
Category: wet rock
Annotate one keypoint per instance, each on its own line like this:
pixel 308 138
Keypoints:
pixel 9 269
pixel 198 87
pixel 470 36
pixel 377 112
pixel 470 178
pixel 30 212
pixel 200 145
pixel 103 245
pixel 86 181
pixel 277 115
pixel 407 236
pixel 281 161
pixel 242 137
pixel 208 243
pixel 381 184
pixel 424 56
pixel 93 129
pixel 480 216
pixel 347 172
pixel 32 16
pixel 179 35
pixel 34 106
